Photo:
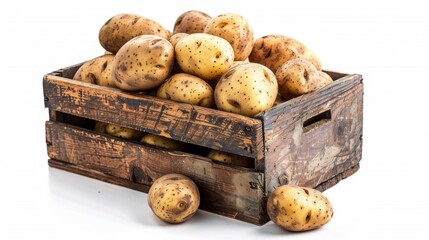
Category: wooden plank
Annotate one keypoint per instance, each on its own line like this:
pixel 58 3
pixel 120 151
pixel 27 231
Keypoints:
pixel 337 178
pixel 184 122
pixel 309 156
pixel 231 191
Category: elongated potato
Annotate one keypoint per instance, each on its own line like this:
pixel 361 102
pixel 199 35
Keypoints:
pixel 123 132
pixel 123 27
pixel 230 158
pixel 163 142
pixel 204 55
pixel 97 71
pixel 298 208
pixel 275 50
pixel 186 88
pixel 236 30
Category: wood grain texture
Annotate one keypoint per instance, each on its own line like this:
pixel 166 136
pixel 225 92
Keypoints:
pixel 184 122
pixel 308 156
pixel 231 191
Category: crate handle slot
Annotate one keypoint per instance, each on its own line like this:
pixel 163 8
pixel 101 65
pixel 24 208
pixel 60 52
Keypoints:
pixel 317 120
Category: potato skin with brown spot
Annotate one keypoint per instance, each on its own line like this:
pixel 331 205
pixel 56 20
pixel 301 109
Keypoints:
pixel 163 142
pixel 123 132
pixel 204 55
pixel 246 89
pixel 275 50
pixel 123 27
pixel 97 71
pixel 186 88
pixel 143 63
pixel 297 77
pixel 230 158
pixel 236 30
pixel 298 208
pixel 191 22
pixel 174 198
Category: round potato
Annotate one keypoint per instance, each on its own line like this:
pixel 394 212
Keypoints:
pixel 123 132
pixel 191 22
pixel 143 63
pixel 175 38
pixel 163 142
pixel 174 198
pixel 186 88
pixel 324 79
pixel 204 55
pixel 297 77
pixel 246 89
pixel 123 27
pixel 236 30
pixel 298 208
pixel 274 50
pixel 230 158
pixel 97 71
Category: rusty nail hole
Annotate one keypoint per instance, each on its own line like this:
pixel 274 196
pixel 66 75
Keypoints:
pixel 46 99
pixel 247 128
pixel 253 185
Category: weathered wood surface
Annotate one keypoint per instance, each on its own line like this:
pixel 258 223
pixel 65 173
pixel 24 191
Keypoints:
pixel 184 122
pixel 231 191
pixel 311 155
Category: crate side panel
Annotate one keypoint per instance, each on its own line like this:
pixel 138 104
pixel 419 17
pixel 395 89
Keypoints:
pixel 309 157
pixel 233 192
pixel 184 122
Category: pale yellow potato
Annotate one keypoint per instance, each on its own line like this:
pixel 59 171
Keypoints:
pixel 204 55
pixel 275 50
pixel 123 27
pixel 143 63
pixel 236 30
pixel 191 22
pixel 324 79
pixel 163 142
pixel 297 77
pixel 186 88
pixel 298 208
pixel 173 198
pixel 123 132
pixel 230 158
pixel 97 71
pixel 246 89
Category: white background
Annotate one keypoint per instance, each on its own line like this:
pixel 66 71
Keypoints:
pixel 387 42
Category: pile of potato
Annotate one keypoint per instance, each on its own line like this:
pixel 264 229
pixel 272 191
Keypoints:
pixel 213 62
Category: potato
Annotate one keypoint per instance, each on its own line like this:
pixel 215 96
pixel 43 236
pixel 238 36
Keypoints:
pixel 246 89
pixel 163 142
pixel 143 63
pixel 191 22
pixel 186 88
pixel 324 79
pixel 230 158
pixel 274 50
pixel 298 208
pixel 97 71
pixel 174 39
pixel 100 127
pixel 123 132
pixel 123 27
pixel 174 198
pixel 236 30
pixel 204 55
pixel 297 77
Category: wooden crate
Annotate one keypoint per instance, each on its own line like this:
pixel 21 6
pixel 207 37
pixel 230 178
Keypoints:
pixel 313 140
